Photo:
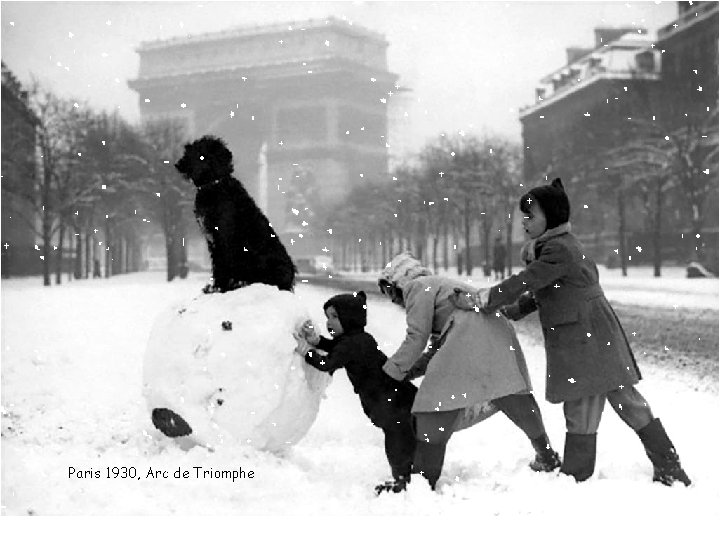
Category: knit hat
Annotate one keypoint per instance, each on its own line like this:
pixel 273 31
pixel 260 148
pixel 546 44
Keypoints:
pixel 403 268
pixel 552 199
pixel 351 310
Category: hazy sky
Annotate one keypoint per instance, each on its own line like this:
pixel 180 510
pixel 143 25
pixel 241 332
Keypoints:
pixel 471 65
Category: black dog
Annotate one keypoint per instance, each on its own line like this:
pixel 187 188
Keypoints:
pixel 244 248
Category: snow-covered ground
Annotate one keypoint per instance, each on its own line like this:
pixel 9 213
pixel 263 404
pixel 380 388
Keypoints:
pixel 71 399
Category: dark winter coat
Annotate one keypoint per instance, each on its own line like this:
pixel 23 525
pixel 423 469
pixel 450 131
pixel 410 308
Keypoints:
pixel 384 400
pixel 586 348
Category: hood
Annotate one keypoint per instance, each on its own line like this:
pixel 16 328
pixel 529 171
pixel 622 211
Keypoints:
pixel 351 310
pixel 402 269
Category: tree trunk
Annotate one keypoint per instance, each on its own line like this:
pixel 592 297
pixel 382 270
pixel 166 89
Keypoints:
pixel 120 255
pixel 47 246
pixel 468 256
pixel 435 242
pixel 446 242
pixel 70 268
pixel 170 255
pixel 78 253
pixel 621 228
pixel 657 228
pixel 698 242
pixel 108 250
pixel 46 213
pixel 457 234
pixel 88 252
pixel 488 256
pixel 484 229
pixel 508 245
pixel 129 248
pixel 59 255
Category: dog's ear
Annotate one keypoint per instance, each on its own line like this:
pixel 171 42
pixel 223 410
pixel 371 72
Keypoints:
pixel 219 155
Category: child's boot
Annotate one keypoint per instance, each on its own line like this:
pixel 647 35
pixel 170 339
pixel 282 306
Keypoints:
pixel 579 456
pixel 546 459
pixel 396 485
pixel 659 448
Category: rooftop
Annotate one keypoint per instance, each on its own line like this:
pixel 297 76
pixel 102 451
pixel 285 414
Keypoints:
pixel 257 30
pixel 698 11
pixel 630 55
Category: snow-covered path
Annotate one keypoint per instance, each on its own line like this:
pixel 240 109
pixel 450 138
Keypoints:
pixel 71 382
pixel 639 287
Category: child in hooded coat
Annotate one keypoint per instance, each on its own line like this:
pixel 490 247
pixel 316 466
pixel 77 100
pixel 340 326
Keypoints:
pixel 589 359
pixel 472 368
pixel 386 402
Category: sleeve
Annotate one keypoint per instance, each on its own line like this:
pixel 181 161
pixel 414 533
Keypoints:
pixel 420 366
pixel 550 265
pixel 331 362
pixel 325 344
pixel 419 309
pixel 523 307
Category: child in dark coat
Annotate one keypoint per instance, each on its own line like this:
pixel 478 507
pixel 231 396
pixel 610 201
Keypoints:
pixel 385 401
pixel 589 360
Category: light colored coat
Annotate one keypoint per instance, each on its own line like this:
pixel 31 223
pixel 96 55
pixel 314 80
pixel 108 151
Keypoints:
pixel 476 358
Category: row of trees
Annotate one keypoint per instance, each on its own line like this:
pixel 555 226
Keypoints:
pixel 459 188
pixel 99 181
pixel 647 154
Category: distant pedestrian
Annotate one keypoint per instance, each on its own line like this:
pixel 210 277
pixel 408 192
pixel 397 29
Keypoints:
pixel 499 254
pixel 96 268
pixel 589 360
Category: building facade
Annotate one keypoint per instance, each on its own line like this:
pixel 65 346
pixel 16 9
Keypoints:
pixel 581 111
pixel 302 106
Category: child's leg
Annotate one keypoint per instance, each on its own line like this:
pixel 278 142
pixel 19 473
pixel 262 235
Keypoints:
pixel 400 446
pixel 432 431
pixel 524 412
pixel 634 410
pixel 631 407
pixel 582 419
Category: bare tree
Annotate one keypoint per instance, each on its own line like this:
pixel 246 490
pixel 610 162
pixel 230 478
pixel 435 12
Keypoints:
pixel 45 194
pixel 149 162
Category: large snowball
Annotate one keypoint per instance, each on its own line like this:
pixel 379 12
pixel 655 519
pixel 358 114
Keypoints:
pixel 245 383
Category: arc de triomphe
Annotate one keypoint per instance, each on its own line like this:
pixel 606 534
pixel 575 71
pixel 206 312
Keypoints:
pixel 304 96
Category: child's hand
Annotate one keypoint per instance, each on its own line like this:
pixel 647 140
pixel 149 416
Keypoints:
pixel 469 301
pixel 308 333
pixel 512 312
pixel 303 346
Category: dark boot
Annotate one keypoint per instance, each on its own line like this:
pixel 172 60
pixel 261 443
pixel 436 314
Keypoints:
pixel 579 456
pixel 396 485
pixel 428 461
pixel 659 448
pixel 546 459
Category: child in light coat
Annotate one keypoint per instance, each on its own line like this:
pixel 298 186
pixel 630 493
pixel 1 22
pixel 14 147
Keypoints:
pixel 473 367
